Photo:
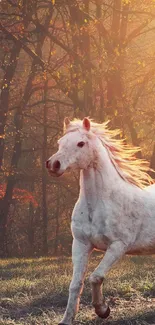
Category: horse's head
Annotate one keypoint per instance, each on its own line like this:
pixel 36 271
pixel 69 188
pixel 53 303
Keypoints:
pixel 75 149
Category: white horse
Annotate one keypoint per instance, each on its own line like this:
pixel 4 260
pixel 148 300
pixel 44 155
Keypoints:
pixel 114 212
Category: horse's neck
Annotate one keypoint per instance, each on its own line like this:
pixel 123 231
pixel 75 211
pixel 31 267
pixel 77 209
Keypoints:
pixel 97 182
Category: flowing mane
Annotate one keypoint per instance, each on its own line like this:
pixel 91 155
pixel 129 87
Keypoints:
pixel 129 167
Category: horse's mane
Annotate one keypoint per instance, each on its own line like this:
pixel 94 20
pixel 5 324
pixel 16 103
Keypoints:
pixel 129 167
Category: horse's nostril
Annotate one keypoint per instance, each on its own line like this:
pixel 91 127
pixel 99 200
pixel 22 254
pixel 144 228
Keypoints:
pixel 56 165
pixel 47 164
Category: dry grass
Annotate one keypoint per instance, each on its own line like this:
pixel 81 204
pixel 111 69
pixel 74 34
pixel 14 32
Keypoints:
pixel 35 291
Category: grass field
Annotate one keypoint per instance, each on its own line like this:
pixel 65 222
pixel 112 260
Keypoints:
pixel 35 291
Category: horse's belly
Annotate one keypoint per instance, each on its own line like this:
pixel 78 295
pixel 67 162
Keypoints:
pixel 142 248
pixel 99 244
pixel 141 251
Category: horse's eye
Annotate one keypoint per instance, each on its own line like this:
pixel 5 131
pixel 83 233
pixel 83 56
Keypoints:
pixel 80 144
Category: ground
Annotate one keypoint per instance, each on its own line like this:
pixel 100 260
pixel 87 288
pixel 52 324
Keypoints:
pixel 35 292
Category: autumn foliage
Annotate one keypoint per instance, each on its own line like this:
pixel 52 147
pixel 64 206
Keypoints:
pixel 66 58
pixel 19 195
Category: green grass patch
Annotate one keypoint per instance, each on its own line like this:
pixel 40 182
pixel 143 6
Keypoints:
pixel 35 291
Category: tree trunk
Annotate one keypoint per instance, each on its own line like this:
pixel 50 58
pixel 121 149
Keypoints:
pixel 101 114
pixel 81 41
pixel 5 92
pixel 31 224
pixel 57 222
pixel 87 73
pixel 6 202
pixel 44 183
pixel 18 121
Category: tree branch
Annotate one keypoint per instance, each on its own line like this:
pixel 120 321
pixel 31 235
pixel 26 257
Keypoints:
pixel 67 49
pixel 19 41
pixel 136 32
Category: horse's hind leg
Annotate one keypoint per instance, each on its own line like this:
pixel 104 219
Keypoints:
pixel 115 251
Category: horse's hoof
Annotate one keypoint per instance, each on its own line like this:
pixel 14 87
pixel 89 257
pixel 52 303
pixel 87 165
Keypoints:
pixel 102 314
pixel 107 313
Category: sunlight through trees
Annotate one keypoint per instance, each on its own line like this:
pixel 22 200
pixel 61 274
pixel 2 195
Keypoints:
pixel 66 58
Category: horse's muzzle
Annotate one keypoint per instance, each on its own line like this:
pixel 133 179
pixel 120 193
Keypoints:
pixel 54 169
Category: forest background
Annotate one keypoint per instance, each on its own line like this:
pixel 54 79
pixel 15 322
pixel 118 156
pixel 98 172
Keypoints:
pixel 66 58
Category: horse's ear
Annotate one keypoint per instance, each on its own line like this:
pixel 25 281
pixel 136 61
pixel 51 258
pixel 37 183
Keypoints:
pixel 86 123
pixel 66 122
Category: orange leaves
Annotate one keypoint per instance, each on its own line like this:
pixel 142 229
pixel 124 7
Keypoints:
pixel 2 136
pixel 19 194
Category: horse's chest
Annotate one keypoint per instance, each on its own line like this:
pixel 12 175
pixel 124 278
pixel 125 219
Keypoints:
pixel 89 232
pixel 98 238
pixel 86 227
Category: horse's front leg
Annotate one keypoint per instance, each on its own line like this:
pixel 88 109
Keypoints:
pixel 115 251
pixel 80 255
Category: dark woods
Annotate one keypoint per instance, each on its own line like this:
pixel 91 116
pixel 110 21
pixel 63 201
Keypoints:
pixel 66 58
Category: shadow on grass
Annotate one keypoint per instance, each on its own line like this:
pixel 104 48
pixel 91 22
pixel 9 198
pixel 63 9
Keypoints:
pixel 44 305
pixel 58 302
pixel 17 268
pixel 15 263
pixel 142 319
pixel 35 308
